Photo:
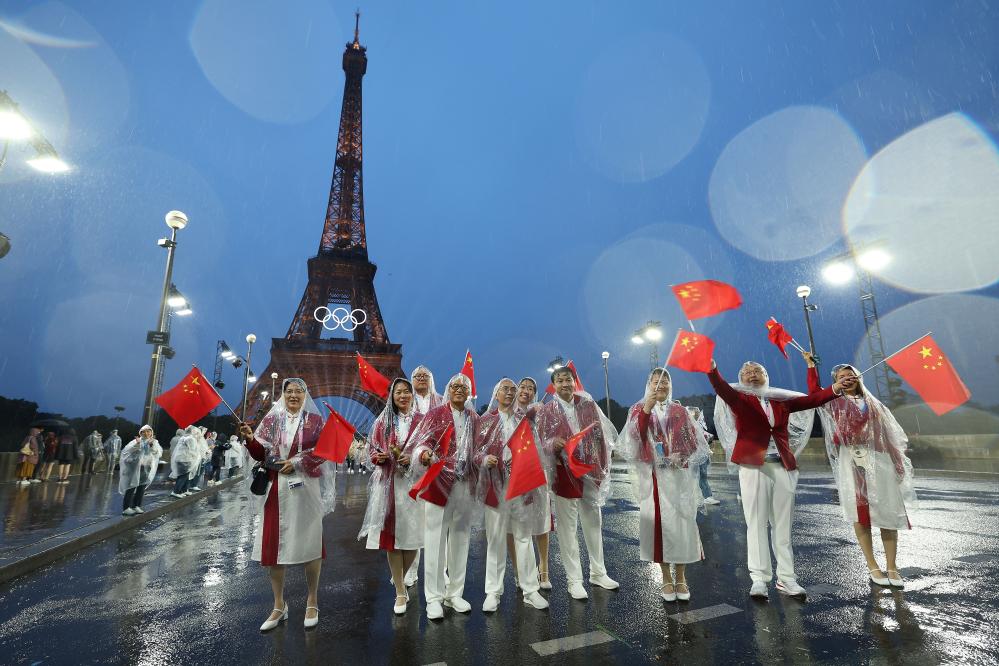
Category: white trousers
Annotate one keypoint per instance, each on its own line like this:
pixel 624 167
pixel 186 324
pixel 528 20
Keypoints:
pixel 446 546
pixel 768 497
pixel 568 514
pixel 497 526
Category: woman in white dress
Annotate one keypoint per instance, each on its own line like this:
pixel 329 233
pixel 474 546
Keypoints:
pixel 393 521
pixel 866 448
pixel 665 447
pixel 301 490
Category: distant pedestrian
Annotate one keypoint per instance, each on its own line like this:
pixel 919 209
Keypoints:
pixel 139 461
pixel 702 470
pixel 112 449
pixel 67 454
pixel 51 456
pixel 185 456
pixel 28 456
pixel 234 457
pixel 92 452
pixel 218 459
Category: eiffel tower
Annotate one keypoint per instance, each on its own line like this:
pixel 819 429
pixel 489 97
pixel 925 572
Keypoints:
pixel 340 276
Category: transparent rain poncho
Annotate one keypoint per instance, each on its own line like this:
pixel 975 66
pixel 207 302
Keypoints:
pixel 673 446
pixel 595 449
pixel 799 424
pixel 866 448
pixel 296 445
pixel 186 453
pixel 529 513
pixel 112 445
pixel 459 466
pixel 391 512
pixel 423 404
pixel 139 461
pixel 234 454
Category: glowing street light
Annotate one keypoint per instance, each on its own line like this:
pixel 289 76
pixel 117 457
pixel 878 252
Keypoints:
pixel 873 260
pixel 48 164
pixel 13 126
pixel 837 272
pixel 651 333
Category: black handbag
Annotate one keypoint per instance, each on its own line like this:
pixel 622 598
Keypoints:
pixel 261 479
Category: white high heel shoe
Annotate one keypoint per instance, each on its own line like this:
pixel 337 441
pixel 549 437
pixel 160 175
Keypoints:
pixel 311 621
pixel 270 624
pixel 400 609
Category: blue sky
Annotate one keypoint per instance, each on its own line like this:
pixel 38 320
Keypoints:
pixel 536 174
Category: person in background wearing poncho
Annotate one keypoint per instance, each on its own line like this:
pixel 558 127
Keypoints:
pixel 758 426
pixel 866 448
pixel 139 460
pixel 185 456
pixel 301 490
pixel 666 446
pixel 112 449
pixel 393 521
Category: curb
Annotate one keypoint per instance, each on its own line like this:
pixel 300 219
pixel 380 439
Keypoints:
pixel 45 556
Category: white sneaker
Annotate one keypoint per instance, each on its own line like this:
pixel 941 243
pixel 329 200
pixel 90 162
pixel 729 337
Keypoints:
pixel 195 489
pixel 128 512
pixel 434 611
pixel 759 590
pixel 490 604
pixel 177 495
pixel 790 588
pixel 187 493
pixel 535 600
pixel 458 604
pixel 605 582
pixel 576 591
pixel 138 509
pixel 711 500
pixel 35 481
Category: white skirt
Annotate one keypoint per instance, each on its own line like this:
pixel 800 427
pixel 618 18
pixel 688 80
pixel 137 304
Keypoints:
pixel 677 522
pixel 299 521
pixel 409 525
pixel 879 487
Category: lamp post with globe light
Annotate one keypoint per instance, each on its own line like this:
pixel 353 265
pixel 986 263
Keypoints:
pixel 605 356
pixel 274 377
pixel 176 220
pixel 248 377
pixel 804 291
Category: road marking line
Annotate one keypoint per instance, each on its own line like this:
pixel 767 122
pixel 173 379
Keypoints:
pixel 706 613
pixel 548 648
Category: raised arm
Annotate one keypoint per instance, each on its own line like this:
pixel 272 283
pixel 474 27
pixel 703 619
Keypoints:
pixel 721 387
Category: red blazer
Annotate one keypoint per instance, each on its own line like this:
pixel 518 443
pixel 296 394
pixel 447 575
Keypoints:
pixel 753 428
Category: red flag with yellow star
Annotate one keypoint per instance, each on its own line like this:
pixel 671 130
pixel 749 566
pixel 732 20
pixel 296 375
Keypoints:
pixel 335 438
pixel 469 371
pixel 691 352
pixel 930 373
pixel 372 380
pixel 526 472
pixel 189 400
pixel 577 467
pixel 778 336
pixel 704 298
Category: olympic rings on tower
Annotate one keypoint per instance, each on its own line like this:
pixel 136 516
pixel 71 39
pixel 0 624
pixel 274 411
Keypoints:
pixel 348 321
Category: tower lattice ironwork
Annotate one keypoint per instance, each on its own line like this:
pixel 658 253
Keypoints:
pixel 340 275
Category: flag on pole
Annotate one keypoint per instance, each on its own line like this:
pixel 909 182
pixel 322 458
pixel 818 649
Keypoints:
pixel 691 352
pixel 928 370
pixel 469 371
pixel 526 472
pixel 189 400
pixel 704 298
pixel 778 335
pixel 435 469
pixel 336 437
pixel 577 467
pixel 372 380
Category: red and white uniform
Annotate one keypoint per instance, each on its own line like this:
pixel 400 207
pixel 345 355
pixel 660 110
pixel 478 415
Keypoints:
pixel 394 520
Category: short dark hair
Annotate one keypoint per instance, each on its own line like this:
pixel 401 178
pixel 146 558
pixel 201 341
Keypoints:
pixel 566 369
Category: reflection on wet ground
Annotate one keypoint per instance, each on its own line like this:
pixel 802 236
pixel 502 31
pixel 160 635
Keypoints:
pixel 182 589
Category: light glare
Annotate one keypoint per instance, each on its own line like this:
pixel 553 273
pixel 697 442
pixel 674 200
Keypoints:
pixel 837 272
pixel 48 164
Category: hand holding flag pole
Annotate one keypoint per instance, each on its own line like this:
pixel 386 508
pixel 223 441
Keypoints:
pixel 928 333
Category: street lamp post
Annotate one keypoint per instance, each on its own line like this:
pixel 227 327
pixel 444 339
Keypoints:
pixel 250 339
pixel 606 355
pixel 804 291
pixel 274 377
pixel 176 220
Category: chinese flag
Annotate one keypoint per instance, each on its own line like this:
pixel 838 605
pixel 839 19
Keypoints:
pixel 778 336
pixel 577 468
pixel 705 298
pixel 691 352
pixel 372 380
pixel 469 371
pixel 336 437
pixel 526 472
pixel 435 469
pixel 189 400
pixel 930 373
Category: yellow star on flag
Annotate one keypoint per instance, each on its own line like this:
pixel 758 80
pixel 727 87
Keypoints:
pixel 925 352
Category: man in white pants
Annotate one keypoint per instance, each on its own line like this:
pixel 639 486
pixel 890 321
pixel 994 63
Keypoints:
pixel 450 502
pixel 578 499
pixel 762 430
pixel 496 427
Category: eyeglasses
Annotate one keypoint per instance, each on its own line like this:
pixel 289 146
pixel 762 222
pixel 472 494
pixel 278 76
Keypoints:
pixel 459 387
pixel 421 376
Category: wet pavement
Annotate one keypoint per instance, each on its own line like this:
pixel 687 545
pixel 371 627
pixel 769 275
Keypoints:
pixel 183 590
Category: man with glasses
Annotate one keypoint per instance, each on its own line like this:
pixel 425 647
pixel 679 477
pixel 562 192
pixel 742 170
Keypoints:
pixel 425 397
pixel 447 434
